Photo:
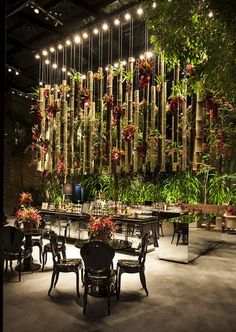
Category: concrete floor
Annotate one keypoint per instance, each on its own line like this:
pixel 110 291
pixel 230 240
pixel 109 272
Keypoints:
pixel 195 297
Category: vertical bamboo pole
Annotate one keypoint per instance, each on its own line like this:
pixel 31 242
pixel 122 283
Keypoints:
pixel 119 104
pixel 126 143
pixel 136 124
pixel 72 126
pixel 40 163
pixel 198 138
pixel 109 117
pixel 64 132
pixel 184 129
pixel 90 122
pixel 100 110
pixel 163 127
pixel 84 139
pixel 58 129
pixel 153 155
pixel 130 104
pixel 175 123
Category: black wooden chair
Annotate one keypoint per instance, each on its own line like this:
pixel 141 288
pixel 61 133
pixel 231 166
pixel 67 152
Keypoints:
pixel 12 247
pixel 63 264
pixel 97 257
pixel 133 266
pixel 61 246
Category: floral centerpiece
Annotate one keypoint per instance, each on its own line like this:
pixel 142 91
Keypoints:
pixel 28 215
pixel 101 228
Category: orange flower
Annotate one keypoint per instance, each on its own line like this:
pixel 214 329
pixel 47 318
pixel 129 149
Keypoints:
pixel 25 197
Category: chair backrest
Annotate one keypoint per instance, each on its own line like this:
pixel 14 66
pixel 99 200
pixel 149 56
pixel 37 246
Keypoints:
pixel 12 238
pixel 53 238
pixel 144 244
pixel 97 256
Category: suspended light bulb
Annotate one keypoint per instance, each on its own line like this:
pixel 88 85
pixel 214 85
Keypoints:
pixel 54 66
pixel 26 96
pixel 60 47
pixel 141 57
pixel 36 10
pixel 9 69
pixel 140 11
pixel 210 14
pixel 37 56
pixel 69 73
pixel 127 16
pixel 13 92
pixel 63 69
pixel 52 49
pixel 117 22
pixel 106 68
pixel 40 83
pixel 47 62
pixel 44 52
pixel 20 94
pixel 95 31
pixel 68 95
pixel 77 39
pixel 154 5
pixel 116 65
pixel 123 62
pixel 85 35
pixel 105 27
pixel 68 42
pixel 17 73
pixel 83 77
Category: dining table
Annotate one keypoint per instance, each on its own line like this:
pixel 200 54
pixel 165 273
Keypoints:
pixel 28 263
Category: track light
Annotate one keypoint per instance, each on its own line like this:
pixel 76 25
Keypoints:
pixel 105 27
pixel 77 39
pixel 37 56
pixel 85 35
pixel 60 47
pixel 52 49
pixel 127 16
pixel 45 52
pixel 68 42
pixel 95 31
pixel 116 21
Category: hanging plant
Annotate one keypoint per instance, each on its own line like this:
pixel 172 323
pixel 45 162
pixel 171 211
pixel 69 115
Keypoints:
pixel 118 111
pixel 98 76
pixel 127 77
pixel 176 103
pixel 84 97
pixel 117 154
pixel 46 92
pixel 145 68
pixel 109 100
pixel 159 80
pixel 51 110
pixel 142 148
pixel 76 76
pixel 129 131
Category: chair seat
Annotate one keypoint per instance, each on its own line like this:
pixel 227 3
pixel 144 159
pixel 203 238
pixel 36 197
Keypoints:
pixel 128 263
pixel 70 262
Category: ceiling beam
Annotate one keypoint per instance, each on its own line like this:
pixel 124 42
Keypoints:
pixel 38 22
pixel 19 44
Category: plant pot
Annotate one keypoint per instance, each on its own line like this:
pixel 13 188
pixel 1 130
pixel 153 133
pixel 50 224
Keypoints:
pixel 29 225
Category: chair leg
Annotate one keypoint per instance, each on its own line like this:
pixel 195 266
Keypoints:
pixel 52 281
pixel 56 280
pixel 6 267
pixel 118 283
pixel 108 295
pixel 82 276
pixel 143 281
pixel 40 254
pixel 85 296
pixel 20 269
pixel 77 283
pixel 44 259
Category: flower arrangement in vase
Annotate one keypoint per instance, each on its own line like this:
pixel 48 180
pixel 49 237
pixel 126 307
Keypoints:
pixel 101 228
pixel 27 215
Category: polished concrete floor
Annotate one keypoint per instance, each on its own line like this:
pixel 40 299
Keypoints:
pixel 195 297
